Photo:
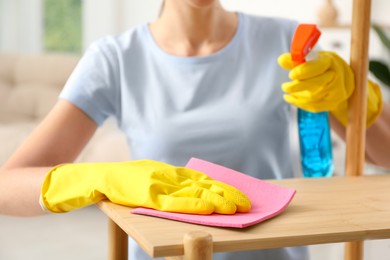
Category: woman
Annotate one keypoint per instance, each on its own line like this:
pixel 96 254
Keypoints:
pixel 198 82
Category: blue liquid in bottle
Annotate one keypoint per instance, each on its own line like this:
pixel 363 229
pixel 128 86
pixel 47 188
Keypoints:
pixel 315 144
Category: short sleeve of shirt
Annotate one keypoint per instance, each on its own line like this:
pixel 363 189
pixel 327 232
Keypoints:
pixel 92 86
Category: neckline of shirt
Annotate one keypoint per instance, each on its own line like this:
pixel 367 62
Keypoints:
pixel 150 42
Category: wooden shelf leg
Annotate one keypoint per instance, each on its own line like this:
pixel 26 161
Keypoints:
pixel 198 245
pixel 356 128
pixel 354 250
pixel 117 240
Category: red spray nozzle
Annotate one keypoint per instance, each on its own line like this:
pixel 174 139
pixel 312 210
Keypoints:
pixel 305 37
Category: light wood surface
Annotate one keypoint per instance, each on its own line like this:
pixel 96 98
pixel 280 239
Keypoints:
pixel 198 245
pixel 327 210
pixel 356 128
pixel 118 247
pixel 353 250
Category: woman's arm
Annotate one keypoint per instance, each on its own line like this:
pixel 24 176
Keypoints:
pixel 377 138
pixel 61 137
pixel 58 139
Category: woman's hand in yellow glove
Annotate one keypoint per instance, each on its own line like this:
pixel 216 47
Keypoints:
pixel 142 183
pixel 326 84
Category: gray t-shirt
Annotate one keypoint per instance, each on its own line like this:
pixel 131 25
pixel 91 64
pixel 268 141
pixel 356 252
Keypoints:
pixel 226 108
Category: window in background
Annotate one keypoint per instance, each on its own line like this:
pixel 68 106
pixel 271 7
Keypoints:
pixel 62 26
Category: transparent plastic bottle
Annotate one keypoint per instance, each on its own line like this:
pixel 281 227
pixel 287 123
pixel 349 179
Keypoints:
pixel 315 144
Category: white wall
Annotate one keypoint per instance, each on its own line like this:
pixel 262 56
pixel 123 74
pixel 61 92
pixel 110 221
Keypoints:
pixel 105 17
pixel 21 20
pixel 21 25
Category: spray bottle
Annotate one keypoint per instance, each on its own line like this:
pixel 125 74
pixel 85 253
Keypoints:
pixel 313 128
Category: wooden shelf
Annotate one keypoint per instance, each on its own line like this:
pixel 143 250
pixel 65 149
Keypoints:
pixel 326 210
pixel 348 26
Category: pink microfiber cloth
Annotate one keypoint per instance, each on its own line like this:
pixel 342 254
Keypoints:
pixel 268 200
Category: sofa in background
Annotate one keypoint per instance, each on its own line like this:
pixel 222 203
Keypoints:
pixel 29 87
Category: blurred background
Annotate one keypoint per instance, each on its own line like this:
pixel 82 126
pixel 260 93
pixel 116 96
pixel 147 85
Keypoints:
pixel 41 42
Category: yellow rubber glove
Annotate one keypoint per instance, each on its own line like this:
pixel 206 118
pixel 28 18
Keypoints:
pixel 142 183
pixel 326 84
